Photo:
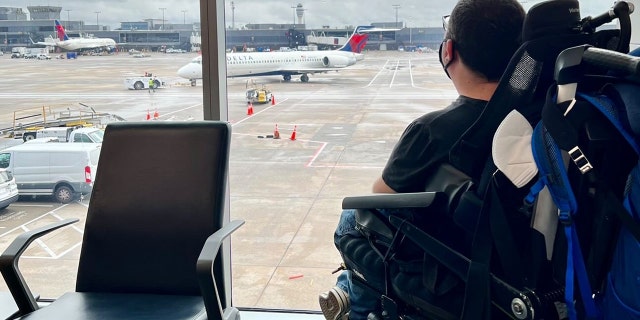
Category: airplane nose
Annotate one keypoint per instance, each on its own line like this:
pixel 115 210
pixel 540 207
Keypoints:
pixel 183 72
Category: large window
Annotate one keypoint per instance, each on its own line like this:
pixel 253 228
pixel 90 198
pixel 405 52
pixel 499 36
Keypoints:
pixel 336 128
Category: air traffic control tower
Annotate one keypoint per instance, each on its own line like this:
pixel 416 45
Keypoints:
pixel 44 12
pixel 300 13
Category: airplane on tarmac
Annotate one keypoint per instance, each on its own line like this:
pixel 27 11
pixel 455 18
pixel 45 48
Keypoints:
pixel 251 64
pixel 75 44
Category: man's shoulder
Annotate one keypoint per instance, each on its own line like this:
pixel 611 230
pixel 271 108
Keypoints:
pixel 460 109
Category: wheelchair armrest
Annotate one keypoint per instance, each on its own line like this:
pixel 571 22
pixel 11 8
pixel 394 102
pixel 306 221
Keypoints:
pixel 393 200
pixel 205 270
pixel 9 265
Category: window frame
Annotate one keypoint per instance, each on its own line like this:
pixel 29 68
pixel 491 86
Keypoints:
pixel 215 106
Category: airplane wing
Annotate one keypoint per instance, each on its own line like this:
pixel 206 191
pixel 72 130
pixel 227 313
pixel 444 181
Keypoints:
pixel 47 42
pixel 368 30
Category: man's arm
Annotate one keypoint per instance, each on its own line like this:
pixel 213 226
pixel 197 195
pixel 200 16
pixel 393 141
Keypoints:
pixel 379 186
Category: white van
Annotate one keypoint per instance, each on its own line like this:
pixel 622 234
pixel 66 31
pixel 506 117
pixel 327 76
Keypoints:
pixel 59 169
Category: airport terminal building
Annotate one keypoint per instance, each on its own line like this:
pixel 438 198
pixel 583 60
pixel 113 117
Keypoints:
pixel 21 28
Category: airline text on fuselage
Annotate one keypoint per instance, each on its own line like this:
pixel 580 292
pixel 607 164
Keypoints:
pixel 239 58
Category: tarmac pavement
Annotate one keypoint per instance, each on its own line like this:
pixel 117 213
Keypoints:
pixel 289 191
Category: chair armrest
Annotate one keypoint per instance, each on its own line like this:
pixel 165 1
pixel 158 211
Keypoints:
pixel 9 265
pixel 392 200
pixel 205 269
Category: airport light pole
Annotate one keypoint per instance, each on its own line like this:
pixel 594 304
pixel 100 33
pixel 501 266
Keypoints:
pixel 294 16
pixel 67 24
pixel 163 9
pixel 97 19
pixel 233 15
pixel 184 16
pixel 396 6
pixel 408 25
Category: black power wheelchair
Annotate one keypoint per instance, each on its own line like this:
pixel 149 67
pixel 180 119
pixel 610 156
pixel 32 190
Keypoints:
pixel 469 247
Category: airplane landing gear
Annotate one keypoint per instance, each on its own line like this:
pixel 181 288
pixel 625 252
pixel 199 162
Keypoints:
pixel 304 78
pixel 193 82
pixel 286 77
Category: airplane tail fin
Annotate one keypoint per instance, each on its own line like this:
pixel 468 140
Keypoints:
pixel 62 35
pixel 357 41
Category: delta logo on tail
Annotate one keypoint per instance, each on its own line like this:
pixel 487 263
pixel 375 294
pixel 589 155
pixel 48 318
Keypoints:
pixel 358 39
pixel 62 35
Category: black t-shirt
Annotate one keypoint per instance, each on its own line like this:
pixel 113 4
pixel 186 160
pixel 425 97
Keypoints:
pixel 426 143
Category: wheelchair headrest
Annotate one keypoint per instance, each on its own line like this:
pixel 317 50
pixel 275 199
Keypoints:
pixel 552 18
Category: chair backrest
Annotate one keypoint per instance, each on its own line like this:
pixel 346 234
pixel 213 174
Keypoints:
pixel 159 193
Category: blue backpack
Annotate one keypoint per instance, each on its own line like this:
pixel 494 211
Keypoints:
pixel 597 192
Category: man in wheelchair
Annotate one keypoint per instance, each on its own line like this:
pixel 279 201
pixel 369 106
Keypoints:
pixel 480 38
pixel 430 255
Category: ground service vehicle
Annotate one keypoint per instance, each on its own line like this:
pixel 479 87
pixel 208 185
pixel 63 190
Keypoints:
pixel 27 122
pixel 261 95
pixel 18 52
pixel 63 170
pixel 69 134
pixel 142 82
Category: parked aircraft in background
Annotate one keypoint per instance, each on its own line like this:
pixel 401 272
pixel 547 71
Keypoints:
pixel 76 44
pixel 251 64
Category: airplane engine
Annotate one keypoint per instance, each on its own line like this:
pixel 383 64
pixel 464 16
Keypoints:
pixel 336 61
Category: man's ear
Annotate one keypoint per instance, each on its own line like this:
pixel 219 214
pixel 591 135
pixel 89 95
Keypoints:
pixel 447 52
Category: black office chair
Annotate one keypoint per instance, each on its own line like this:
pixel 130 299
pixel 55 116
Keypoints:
pixel 9 308
pixel 154 227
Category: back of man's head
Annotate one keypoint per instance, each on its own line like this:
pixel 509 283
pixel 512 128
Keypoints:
pixel 486 33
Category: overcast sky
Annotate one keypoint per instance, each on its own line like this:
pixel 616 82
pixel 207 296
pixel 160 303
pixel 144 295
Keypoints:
pixel 335 13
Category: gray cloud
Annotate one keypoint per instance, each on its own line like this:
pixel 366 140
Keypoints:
pixel 334 13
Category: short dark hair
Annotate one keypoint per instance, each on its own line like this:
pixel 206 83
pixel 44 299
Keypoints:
pixel 486 33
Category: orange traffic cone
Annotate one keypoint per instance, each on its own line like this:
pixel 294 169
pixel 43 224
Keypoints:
pixel 273 100
pixel 276 133
pixel 249 108
pixel 293 134
pixel 148 115
pixel 156 115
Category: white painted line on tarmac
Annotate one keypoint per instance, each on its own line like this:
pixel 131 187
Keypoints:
pixel 180 110
pixel 45 247
pixel 259 112
pixel 317 154
pixel 395 72
pixel 377 74
pixel 32 205
pixel 53 255
pixel 33 220
pixel 73 225
pixel 411 74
